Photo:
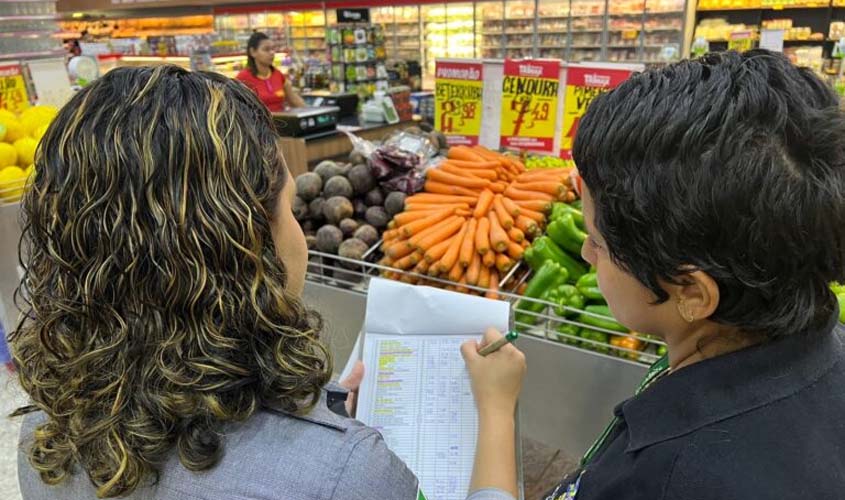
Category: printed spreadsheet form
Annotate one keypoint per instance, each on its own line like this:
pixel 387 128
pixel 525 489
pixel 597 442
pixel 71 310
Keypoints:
pixel 417 390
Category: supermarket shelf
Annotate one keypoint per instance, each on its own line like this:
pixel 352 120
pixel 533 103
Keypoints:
pixel 516 47
pixel 623 46
pixel 769 7
pixel 307 37
pixel 587 47
pixel 45 17
pixel 575 31
pixel 27 34
pixel 33 55
pixel 170 32
pixel 514 33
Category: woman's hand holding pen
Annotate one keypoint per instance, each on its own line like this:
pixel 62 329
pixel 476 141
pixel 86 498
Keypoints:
pixel 496 384
pixel 496 378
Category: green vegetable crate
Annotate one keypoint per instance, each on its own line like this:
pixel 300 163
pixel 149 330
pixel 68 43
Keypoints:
pixel 562 300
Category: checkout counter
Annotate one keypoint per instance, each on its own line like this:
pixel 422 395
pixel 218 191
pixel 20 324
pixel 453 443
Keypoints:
pixel 316 133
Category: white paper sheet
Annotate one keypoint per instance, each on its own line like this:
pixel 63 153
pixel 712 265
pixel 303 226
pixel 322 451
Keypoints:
pixel 416 391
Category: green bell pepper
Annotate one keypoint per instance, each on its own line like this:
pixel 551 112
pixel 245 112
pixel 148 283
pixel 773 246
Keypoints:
pixel 568 296
pixel 595 336
pixel 588 285
pixel 544 249
pixel 565 233
pixel 548 277
pixel 561 209
pixel 577 204
pixel 840 297
pixel 606 323
pixel 566 329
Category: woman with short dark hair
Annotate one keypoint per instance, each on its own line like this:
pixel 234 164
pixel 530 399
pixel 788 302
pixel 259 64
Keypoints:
pixel 714 196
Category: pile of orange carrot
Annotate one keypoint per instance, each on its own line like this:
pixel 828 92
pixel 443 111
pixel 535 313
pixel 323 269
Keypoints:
pixel 477 214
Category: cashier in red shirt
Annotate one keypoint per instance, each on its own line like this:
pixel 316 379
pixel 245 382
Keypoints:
pixel 270 84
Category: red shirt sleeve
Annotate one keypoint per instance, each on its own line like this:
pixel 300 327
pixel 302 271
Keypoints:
pixel 270 91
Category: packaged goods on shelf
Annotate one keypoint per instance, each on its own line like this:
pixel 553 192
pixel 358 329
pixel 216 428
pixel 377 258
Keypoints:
pixel 810 57
pixel 837 30
pixel 718 29
pixel 729 4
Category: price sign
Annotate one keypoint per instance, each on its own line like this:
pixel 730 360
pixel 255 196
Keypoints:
pixel 457 101
pixel 583 84
pixel 13 94
pixel 529 104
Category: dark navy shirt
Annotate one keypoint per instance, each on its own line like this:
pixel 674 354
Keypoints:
pixel 763 423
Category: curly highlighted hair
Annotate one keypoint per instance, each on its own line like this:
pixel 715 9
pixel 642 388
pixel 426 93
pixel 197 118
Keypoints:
pixel 155 307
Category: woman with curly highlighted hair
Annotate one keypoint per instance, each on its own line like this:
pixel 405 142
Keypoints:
pixel 163 344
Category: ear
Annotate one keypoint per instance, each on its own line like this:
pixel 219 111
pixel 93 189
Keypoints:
pixel 698 296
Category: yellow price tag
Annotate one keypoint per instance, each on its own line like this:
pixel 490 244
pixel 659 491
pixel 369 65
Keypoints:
pixel 458 92
pixel 530 104
pixel 13 95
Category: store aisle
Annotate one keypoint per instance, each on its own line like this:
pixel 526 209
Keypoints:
pixel 11 397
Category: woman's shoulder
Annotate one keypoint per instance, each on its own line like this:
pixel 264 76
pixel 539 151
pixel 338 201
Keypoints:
pixel 245 75
pixel 314 455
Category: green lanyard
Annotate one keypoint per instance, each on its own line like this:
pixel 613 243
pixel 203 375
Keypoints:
pixel 658 369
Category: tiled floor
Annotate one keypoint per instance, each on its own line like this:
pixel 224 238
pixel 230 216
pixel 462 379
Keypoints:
pixel 543 468
pixel 11 397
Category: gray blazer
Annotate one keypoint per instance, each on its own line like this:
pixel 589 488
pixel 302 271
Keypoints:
pixel 272 455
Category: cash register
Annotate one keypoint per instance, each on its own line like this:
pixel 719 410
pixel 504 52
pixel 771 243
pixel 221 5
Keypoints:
pixel 299 122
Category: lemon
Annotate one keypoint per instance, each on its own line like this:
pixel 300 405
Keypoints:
pixel 26 150
pixel 8 155
pixel 32 122
pixel 5 114
pixel 42 111
pixel 12 181
pixel 14 129
pixel 38 133
pixel 2 132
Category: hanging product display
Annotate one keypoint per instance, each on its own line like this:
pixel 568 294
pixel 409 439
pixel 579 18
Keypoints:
pixel 357 57
pixel 583 84
pixel 458 90
pixel 530 104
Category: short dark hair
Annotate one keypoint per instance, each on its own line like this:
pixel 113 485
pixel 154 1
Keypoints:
pixel 254 41
pixel 731 164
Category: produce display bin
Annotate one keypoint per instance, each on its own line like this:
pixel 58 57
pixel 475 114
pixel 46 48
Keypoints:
pixel 569 392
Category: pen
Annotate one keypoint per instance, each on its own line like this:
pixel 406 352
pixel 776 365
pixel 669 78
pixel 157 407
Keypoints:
pixel 495 346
